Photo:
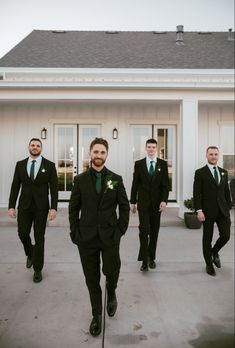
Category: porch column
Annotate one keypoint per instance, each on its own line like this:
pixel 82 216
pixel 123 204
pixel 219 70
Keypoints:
pixel 188 150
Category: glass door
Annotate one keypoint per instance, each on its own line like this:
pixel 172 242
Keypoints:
pixel 65 158
pixel 86 134
pixel 166 150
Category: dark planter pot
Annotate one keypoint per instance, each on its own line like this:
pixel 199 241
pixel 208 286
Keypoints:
pixel 191 221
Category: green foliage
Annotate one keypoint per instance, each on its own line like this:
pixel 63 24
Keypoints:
pixel 189 204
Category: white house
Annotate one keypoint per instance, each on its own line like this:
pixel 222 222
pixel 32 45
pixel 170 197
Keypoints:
pixel 69 87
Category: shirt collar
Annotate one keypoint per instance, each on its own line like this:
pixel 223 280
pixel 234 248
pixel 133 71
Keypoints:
pixel 38 159
pixel 151 160
pixel 211 166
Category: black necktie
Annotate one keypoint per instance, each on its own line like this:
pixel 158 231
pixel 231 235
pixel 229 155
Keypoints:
pixel 151 168
pixel 216 176
pixel 32 170
pixel 98 184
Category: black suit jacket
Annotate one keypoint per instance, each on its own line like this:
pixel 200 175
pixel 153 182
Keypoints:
pixel 149 191
pixel 208 196
pixel 37 190
pixel 91 215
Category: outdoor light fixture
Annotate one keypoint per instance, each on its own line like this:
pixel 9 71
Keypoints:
pixel 43 133
pixel 115 133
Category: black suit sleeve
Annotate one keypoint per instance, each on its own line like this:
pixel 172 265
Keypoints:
pixel 123 207
pixel 227 193
pixel 15 188
pixel 53 184
pixel 74 208
pixel 197 191
pixel 134 187
pixel 165 183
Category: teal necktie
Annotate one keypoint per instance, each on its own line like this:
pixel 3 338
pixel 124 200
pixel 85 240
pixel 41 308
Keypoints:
pixel 31 174
pixel 216 177
pixel 151 168
pixel 98 184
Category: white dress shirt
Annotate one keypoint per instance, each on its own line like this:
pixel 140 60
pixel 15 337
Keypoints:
pixel 37 165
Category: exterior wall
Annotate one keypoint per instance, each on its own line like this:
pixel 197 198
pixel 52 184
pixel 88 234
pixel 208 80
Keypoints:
pixel 211 118
pixel 21 121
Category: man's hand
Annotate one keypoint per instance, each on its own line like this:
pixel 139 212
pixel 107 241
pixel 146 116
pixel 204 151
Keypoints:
pixel 52 214
pixel 133 208
pixel 12 213
pixel 162 206
pixel 201 216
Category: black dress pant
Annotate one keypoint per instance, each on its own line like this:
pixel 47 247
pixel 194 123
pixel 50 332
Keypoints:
pixel 37 218
pixel 223 223
pixel 149 223
pixel 91 255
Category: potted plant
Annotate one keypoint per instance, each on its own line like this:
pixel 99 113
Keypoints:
pixel 190 218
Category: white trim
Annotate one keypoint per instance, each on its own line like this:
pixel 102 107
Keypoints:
pixel 117 78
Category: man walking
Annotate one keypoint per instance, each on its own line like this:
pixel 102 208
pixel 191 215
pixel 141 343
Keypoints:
pixel 96 228
pixel 212 203
pixel 150 188
pixel 35 176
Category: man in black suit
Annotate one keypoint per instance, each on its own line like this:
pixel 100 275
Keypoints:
pixel 212 203
pixel 96 228
pixel 35 176
pixel 150 189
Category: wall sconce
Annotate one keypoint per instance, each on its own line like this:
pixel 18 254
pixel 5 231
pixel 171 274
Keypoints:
pixel 44 133
pixel 115 133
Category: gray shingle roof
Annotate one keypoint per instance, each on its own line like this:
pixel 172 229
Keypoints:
pixel 99 49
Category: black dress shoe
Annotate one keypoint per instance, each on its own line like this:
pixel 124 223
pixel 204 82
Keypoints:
pixel 216 260
pixel 37 277
pixel 144 267
pixel 95 327
pixel 210 270
pixel 29 262
pixel 112 305
pixel 152 264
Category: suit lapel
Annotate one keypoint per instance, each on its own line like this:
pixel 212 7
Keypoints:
pixel 208 173
pixel 145 169
pixel 40 171
pixel 221 171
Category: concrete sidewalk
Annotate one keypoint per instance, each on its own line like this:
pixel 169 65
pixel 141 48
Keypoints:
pixel 175 306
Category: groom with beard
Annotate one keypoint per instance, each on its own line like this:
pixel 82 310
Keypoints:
pixel 35 176
pixel 97 229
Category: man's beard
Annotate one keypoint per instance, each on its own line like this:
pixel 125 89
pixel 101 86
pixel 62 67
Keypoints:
pixel 98 162
pixel 35 152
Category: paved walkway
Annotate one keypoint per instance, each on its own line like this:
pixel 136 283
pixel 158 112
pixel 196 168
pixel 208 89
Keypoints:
pixel 175 306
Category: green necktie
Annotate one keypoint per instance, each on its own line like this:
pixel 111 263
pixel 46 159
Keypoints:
pixel 31 174
pixel 98 184
pixel 151 169
pixel 216 176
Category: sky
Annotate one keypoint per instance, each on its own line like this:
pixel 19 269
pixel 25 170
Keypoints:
pixel 19 17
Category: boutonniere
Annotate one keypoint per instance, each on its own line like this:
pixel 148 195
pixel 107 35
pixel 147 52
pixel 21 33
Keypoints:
pixel 43 170
pixel 222 173
pixel 110 185
pixel 158 169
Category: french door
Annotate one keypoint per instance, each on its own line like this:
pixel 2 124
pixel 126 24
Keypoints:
pixel 71 148
pixel 166 149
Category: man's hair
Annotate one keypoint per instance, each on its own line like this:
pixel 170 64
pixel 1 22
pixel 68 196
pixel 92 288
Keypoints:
pixel 151 141
pixel 35 139
pixel 100 141
pixel 212 147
